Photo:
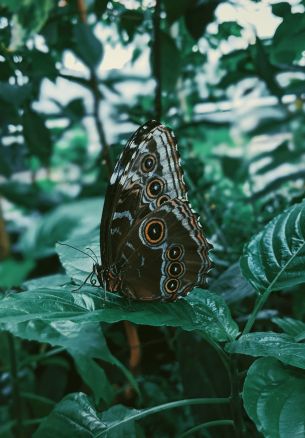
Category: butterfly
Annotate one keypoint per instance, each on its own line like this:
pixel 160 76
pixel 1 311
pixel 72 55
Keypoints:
pixel 152 244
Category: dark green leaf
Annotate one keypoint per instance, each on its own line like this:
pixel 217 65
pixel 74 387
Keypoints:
pixel 292 327
pixel 202 310
pixel 87 46
pixel 176 9
pixel 13 273
pixel 229 28
pixel 66 221
pixel 285 50
pixel 95 377
pixel 282 9
pixel 14 94
pixel 100 7
pixel 170 61
pixel 73 416
pixel 274 258
pixel 198 16
pixel 234 168
pixel 278 345
pixel 37 135
pixel 130 20
pixel 274 398
pixel 232 285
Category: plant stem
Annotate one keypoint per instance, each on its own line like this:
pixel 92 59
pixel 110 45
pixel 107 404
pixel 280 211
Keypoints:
pixel 15 385
pixel 258 305
pixel 236 404
pixel 206 426
pixel 164 407
pixel 156 47
pixel 98 123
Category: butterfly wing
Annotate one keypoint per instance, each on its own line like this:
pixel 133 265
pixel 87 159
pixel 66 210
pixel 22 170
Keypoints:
pixel 165 255
pixel 147 174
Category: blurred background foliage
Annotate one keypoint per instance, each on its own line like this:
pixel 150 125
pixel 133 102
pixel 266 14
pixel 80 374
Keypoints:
pixel 76 79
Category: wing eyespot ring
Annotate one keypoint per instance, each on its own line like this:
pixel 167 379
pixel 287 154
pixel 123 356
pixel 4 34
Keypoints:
pixel 154 231
pixel 162 199
pixel 155 187
pixel 174 252
pixel 175 269
pixel 148 163
pixel 171 285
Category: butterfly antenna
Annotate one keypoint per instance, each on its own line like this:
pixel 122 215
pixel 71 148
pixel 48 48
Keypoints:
pixel 96 259
pixel 83 283
pixel 79 250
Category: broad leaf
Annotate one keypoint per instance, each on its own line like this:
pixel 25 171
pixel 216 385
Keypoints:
pixel 274 259
pixel 64 222
pixel 274 398
pixel 231 285
pixel 292 327
pixel 13 272
pixel 201 310
pixel 37 135
pixel 87 46
pixel 278 345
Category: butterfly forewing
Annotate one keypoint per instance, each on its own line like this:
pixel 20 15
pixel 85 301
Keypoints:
pixel 147 174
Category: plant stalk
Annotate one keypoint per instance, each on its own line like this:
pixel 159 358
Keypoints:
pixel 15 385
pixel 156 48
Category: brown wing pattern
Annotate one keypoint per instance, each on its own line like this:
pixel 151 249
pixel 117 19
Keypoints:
pixel 168 250
pixel 147 174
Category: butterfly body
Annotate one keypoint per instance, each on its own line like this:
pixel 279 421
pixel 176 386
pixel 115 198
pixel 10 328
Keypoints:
pixel 152 245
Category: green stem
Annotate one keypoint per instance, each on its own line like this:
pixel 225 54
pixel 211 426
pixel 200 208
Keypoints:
pixel 206 426
pixel 236 403
pixel 166 406
pixel 15 386
pixel 157 59
pixel 258 305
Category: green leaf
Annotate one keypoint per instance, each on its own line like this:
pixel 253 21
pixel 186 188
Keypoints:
pixel 274 398
pixel 228 28
pixel 170 61
pixel 278 345
pixel 73 416
pixel 198 16
pixel 87 46
pixel 13 273
pixel 176 9
pixel 292 327
pixel 281 9
pixel 66 221
pixel 29 17
pixel 95 377
pixel 288 41
pixel 37 135
pixel 231 285
pixel 15 94
pixel 274 259
pixel 201 310
pixel 130 20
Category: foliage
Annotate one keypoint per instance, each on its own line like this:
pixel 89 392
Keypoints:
pixel 230 359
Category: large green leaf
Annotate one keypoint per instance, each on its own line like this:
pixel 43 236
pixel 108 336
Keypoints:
pixel 37 135
pixel 291 326
pixel 287 44
pixel 13 272
pixel 29 16
pixel 201 310
pixel 274 398
pixel 274 259
pixel 232 286
pixel 278 345
pixel 66 221
pixel 87 46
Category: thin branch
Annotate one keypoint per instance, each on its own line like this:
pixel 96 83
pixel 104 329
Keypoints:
pixel 15 384
pixel 156 48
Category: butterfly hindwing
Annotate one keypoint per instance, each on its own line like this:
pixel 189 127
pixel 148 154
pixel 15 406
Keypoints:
pixel 168 250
